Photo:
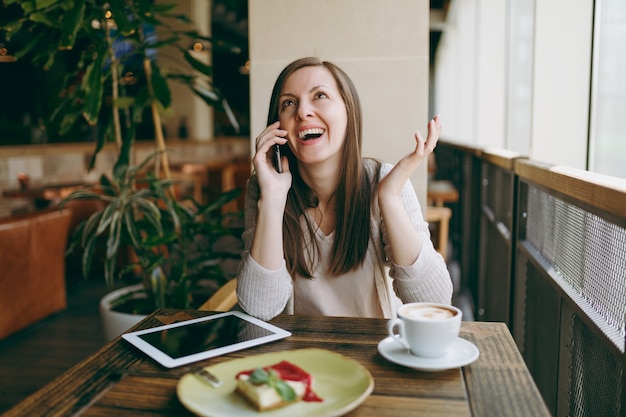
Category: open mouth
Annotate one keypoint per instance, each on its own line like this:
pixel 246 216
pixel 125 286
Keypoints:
pixel 311 134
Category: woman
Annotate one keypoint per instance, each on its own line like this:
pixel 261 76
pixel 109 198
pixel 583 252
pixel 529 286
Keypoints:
pixel 319 235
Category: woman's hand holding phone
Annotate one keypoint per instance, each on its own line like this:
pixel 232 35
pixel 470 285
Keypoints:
pixel 272 170
pixel 267 243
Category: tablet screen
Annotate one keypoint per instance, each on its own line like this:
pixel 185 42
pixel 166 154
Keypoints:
pixel 212 334
pixel 185 342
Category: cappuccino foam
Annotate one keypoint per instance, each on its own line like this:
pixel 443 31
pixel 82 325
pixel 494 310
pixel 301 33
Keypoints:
pixel 428 312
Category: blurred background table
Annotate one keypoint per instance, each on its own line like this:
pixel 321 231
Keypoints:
pixel 440 192
pixel 44 195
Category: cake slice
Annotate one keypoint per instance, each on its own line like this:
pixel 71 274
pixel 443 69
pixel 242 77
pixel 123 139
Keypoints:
pixel 276 386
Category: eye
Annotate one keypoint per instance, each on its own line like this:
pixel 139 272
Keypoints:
pixel 321 94
pixel 287 103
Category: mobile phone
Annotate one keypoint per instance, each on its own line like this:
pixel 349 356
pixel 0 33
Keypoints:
pixel 278 162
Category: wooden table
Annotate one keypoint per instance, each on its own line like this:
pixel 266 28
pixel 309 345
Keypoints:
pixel 121 381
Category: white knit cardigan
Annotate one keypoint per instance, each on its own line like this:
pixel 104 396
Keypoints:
pixel 265 294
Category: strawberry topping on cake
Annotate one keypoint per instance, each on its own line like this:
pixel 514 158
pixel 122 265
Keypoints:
pixel 276 385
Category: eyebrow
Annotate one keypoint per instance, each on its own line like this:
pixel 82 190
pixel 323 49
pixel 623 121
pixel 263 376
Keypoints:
pixel 317 87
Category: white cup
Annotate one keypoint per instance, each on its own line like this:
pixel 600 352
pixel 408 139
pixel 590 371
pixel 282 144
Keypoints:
pixel 426 329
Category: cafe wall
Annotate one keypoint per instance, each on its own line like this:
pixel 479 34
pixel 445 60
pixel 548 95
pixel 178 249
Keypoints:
pixel 382 45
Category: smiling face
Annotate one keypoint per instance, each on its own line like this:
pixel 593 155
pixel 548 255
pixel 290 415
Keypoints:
pixel 312 110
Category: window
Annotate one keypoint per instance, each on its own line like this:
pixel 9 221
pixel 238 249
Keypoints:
pixel 607 138
pixel 520 76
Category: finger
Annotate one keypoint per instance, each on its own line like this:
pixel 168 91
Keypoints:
pixel 420 142
pixel 267 129
pixel 434 130
pixel 270 136
pixel 438 125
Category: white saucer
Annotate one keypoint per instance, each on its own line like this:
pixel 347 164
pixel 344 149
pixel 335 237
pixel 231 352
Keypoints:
pixel 461 353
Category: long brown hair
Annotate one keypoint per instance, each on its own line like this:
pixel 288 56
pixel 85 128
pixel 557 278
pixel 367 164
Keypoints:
pixel 353 197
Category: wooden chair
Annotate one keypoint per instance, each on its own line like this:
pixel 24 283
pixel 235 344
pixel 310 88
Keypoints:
pixel 32 279
pixel 224 299
pixel 235 175
pixel 188 183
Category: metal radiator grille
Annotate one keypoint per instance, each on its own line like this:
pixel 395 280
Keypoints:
pixel 497 183
pixel 596 376
pixel 587 254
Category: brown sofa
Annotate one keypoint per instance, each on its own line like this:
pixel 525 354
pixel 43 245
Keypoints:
pixel 32 268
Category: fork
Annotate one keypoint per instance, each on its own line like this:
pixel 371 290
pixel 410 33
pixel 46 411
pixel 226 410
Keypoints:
pixel 207 377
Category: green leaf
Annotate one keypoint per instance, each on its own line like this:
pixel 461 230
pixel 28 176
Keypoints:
pixel 197 35
pixel 99 146
pixel 285 391
pixel 131 228
pixel 43 19
pixel 113 241
pixel 161 89
pixel 155 241
pixel 28 6
pixel 106 218
pixel 43 4
pixel 89 250
pixel 48 64
pixel 184 79
pixel 70 23
pixel 259 376
pixel 164 7
pixel 34 42
pixel 65 4
pixel 74 241
pixel 160 43
pixel 220 200
pixel 159 286
pixel 94 89
pixel 109 270
pixel 120 15
pixel 147 160
pixel 142 100
pixel 198 65
pixel 208 96
pixel 151 214
pixel 121 165
pixel 271 378
pixel 69 120
pixel 90 225
pixel 82 194
pixel 124 103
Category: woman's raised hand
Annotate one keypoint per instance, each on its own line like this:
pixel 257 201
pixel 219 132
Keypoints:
pixel 271 182
pixel 392 184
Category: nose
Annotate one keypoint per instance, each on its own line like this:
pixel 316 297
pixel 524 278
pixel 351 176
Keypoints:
pixel 305 109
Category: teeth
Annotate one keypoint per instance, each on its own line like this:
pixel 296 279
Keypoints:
pixel 313 131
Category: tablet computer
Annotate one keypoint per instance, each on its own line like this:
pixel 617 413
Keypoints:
pixel 189 341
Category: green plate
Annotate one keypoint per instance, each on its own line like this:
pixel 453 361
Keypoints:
pixel 341 382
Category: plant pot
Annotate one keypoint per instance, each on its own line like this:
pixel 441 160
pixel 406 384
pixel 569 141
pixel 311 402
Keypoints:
pixel 116 323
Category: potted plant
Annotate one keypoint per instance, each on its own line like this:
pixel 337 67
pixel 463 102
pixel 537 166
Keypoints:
pixel 145 230
pixel 112 77
pixel 112 84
